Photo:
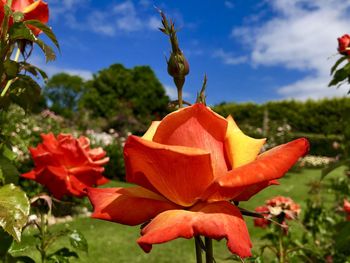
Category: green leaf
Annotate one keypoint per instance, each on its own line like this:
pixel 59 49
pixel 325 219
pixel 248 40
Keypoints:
pixel 5 243
pixel 9 172
pixel 20 31
pixel 78 241
pixel 337 63
pixel 11 69
pixel 33 70
pixel 25 92
pixel 14 210
pixel 340 75
pixel 48 51
pixel 5 150
pixel 46 30
pixel 21 259
pixel 62 255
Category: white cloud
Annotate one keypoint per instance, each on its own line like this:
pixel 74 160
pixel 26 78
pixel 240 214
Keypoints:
pixel 51 69
pixel 301 36
pixel 229 58
pixel 229 4
pixel 123 17
pixel 172 92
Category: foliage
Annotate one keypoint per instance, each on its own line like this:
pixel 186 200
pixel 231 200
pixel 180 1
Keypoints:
pixel 323 122
pixel 14 210
pixel 63 92
pixel 129 99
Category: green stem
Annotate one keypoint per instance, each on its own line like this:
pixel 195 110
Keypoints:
pixel 209 256
pixel 8 84
pixel 281 255
pixel 43 228
pixel 179 95
pixel 197 240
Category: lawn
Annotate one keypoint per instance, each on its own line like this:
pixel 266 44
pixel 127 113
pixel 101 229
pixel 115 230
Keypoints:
pixel 110 242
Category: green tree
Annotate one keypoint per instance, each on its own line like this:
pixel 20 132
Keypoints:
pixel 128 99
pixel 63 92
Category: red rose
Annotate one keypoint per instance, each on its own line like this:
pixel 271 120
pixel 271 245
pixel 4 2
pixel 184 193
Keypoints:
pixel 344 44
pixel 188 167
pixel 31 9
pixel 67 166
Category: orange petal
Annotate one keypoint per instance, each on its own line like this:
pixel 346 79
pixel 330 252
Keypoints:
pixel 129 206
pixel 252 190
pixel 240 148
pixel 39 11
pixel 269 165
pixel 20 5
pixel 199 127
pixel 151 131
pixel 217 220
pixel 179 173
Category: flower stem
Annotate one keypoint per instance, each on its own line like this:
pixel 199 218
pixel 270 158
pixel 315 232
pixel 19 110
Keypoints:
pixel 43 228
pixel 198 241
pixel 209 257
pixel 8 84
pixel 281 255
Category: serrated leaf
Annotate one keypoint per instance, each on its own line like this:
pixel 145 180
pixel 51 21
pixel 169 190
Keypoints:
pixel 14 210
pixel 45 29
pixel 9 171
pixel 33 70
pixel 337 63
pixel 48 51
pixel 78 241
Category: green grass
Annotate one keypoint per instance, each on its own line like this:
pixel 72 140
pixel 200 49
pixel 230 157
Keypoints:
pixel 110 242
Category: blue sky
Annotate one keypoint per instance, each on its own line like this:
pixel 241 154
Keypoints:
pixel 251 50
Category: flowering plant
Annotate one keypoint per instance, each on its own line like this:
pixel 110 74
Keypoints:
pixel 188 168
pixel 341 76
pixel 66 165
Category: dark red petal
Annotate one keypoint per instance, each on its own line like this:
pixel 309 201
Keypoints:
pixel 199 127
pixel 179 173
pixel 129 206
pixel 216 220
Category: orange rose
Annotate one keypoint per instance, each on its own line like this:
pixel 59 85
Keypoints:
pixel 189 166
pixel 67 166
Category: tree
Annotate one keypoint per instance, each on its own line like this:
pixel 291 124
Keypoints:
pixel 63 92
pixel 129 99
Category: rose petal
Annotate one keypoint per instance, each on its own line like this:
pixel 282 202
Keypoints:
pixel 151 131
pixel 240 148
pixel 38 12
pixel 198 127
pixel 252 190
pixel 20 5
pixel 55 179
pixel 269 165
pixel 217 220
pixel 130 206
pixel 179 173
